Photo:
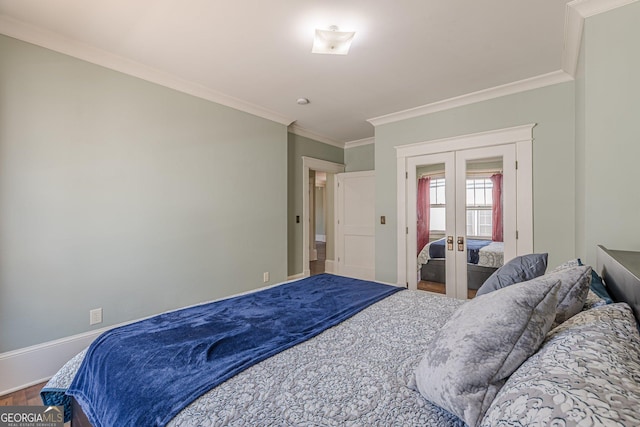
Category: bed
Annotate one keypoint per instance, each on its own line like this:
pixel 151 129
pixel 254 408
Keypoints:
pixel 369 369
pixel 483 258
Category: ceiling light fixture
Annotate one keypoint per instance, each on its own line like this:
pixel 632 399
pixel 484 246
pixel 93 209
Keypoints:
pixel 332 41
pixel 302 101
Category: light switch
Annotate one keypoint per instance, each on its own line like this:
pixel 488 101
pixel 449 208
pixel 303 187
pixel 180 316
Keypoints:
pixel 383 219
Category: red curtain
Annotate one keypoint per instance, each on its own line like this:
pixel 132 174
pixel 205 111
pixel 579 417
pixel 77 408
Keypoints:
pixel 497 231
pixel 424 209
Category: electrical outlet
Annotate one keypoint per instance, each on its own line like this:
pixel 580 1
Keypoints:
pixel 265 276
pixel 95 316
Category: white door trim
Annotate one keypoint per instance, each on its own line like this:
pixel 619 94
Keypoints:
pixel 310 163
pixel 522 136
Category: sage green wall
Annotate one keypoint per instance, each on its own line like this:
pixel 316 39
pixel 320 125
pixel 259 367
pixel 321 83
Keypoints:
pixel 298 147
pixel 122 194
pixel 360 158
pixel 552 108
pixel 611 141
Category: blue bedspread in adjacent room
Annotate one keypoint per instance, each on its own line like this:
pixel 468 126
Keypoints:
pixel 437 249
pixel 146 372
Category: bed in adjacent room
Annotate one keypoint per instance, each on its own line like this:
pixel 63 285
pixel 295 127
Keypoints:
pixel 483 258
pixel 395 359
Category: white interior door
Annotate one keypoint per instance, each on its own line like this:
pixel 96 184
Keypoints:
pixel 356 224
pixel 441 167
pixel 474 169
pixel 461 192
pixel 520 138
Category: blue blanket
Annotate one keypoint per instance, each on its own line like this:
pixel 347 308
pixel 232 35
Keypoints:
pixel 144 373
pixel 437 249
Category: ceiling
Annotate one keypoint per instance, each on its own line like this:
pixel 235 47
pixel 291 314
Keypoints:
pixel 255 55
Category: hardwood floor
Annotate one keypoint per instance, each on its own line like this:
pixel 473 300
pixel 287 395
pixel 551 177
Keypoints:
pixel 318 266
pixel 439 288
pixel 29 396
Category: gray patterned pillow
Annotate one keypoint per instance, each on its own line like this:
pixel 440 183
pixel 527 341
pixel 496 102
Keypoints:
pixel 571 263
pixel 586 373
pixel 573 291
pixel 519 269
pixel 484 341
pixel 593 301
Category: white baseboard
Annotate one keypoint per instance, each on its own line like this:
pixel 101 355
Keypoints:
pixel 330 266
pixel 35 364
pixel 297 276
pixel 38 363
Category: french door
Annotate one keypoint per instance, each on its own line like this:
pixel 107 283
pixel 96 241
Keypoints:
pixel 462 216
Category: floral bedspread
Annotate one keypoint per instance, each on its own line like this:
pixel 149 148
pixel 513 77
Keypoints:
pixel 360 372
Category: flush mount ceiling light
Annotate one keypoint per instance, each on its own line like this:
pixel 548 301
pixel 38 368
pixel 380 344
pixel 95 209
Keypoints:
pixel 303 101
pixel 332 41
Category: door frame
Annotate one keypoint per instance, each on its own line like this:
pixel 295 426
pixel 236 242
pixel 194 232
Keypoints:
pixel 310 163
pixel 521 136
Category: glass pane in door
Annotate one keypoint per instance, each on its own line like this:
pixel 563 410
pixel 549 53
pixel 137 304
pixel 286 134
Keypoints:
pixel 431 226
pixel 484 220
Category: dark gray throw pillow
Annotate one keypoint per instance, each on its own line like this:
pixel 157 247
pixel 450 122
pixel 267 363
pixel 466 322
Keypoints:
pixel 519 269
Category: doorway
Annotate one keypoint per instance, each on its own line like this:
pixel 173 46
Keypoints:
pixel 459 172
pixel 463 203
pixel 318 212
pixel 309 165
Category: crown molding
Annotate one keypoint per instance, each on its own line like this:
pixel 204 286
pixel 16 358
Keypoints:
pixel 471 98
pixel 53 41
pixel 300 131
pixel 573 24
pixel 576 12
pixel 587 8
pixel 359 142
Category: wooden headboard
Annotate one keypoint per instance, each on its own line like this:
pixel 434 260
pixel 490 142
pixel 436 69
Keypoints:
pixel 620 271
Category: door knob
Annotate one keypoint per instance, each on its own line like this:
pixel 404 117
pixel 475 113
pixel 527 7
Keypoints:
pixel 460 243
pixel 450 243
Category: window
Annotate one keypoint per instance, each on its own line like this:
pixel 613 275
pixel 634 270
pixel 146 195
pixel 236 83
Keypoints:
pixel 437 219
pixel 479 207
